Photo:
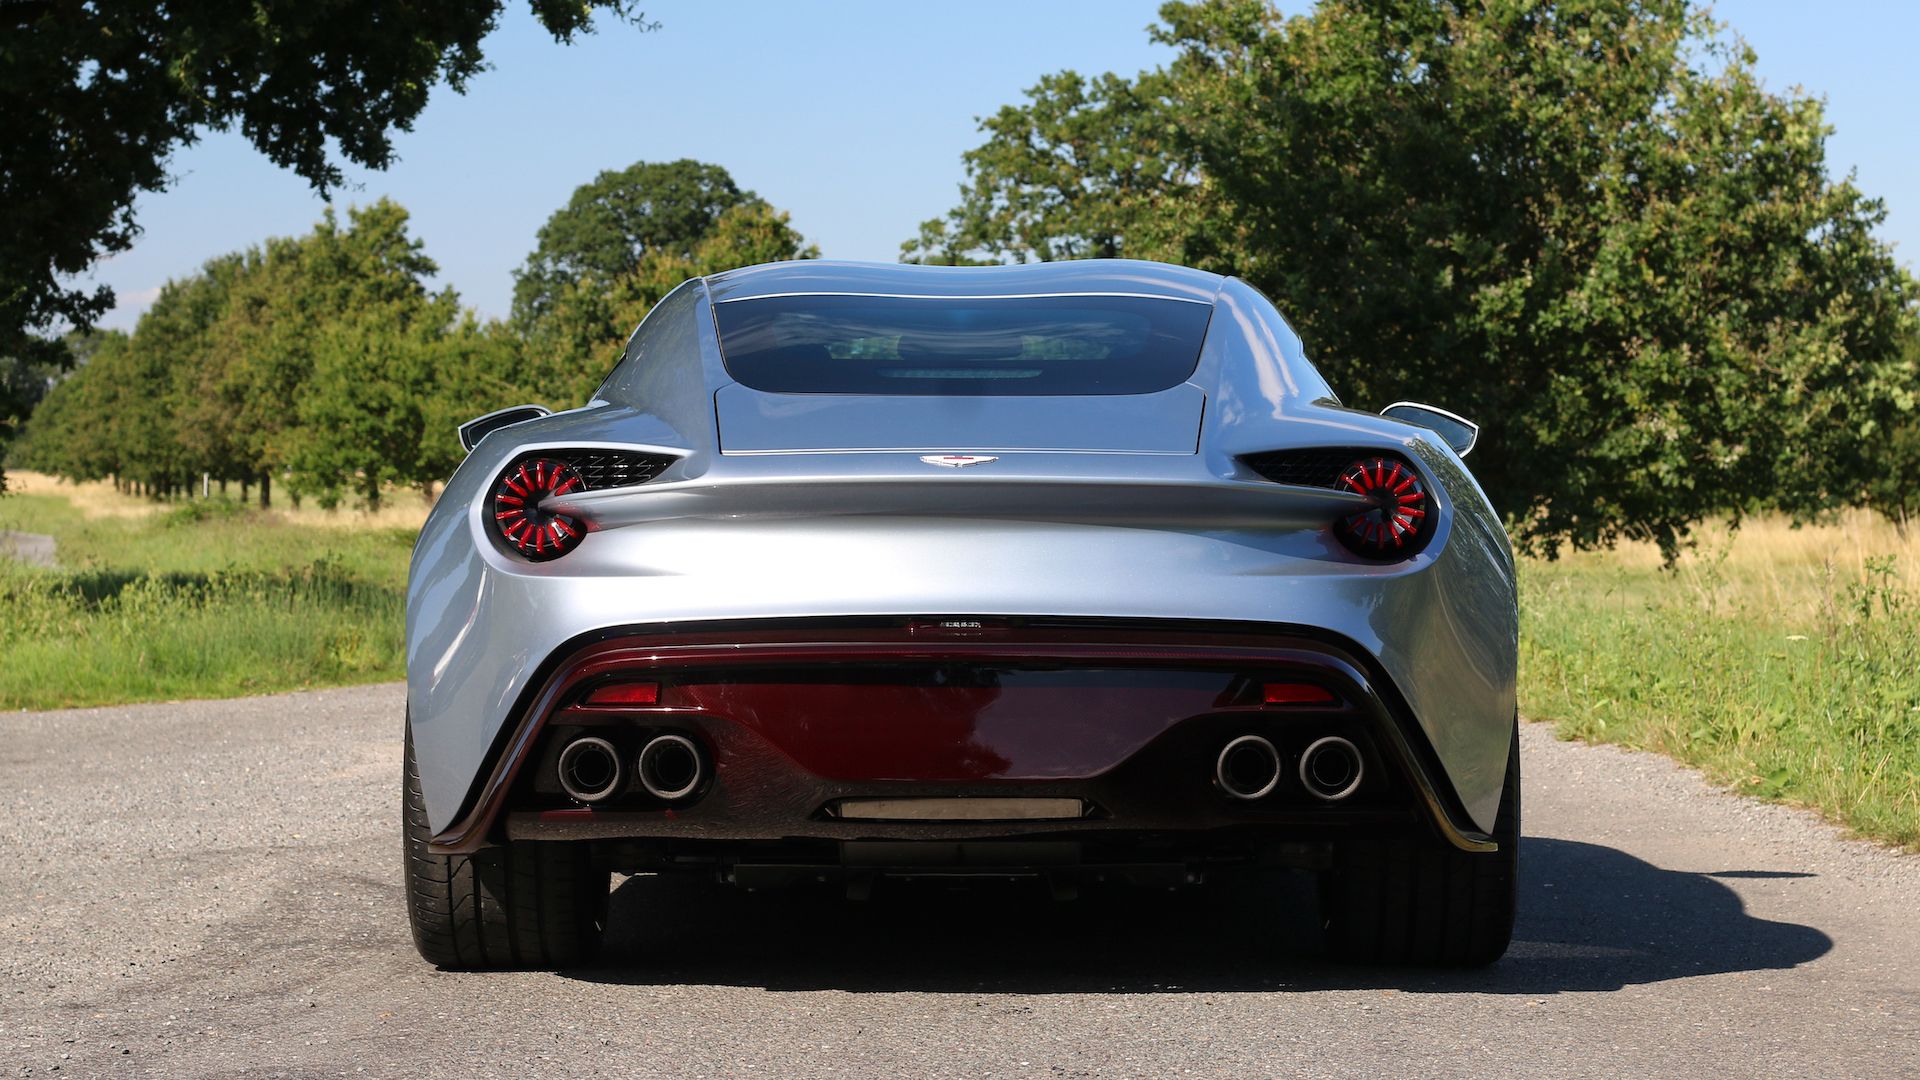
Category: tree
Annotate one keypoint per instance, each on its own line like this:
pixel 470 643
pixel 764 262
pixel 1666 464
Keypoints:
pixel 1586 224
pixel 176 336
pixel 26 380
pixel 570 350
pixel 326 359
pixel 617 219
pixel 276 318
pixel 362 412
pixel 95 97
pixel 69 413
pixel 312 353
pixel 1070 175
pixel 1893 466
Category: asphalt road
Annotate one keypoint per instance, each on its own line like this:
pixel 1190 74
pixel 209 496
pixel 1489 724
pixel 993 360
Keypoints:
pixel 212 889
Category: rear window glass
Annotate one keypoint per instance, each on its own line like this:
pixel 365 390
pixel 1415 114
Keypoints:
pixel 1024 345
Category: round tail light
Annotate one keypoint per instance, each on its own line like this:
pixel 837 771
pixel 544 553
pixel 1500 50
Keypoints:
pixel 1397 523
pixel 534 532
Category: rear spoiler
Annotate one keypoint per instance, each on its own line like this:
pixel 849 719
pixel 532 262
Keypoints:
pixel 1094 500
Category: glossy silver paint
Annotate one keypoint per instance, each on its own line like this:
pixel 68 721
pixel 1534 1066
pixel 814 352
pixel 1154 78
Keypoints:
pixel 820 505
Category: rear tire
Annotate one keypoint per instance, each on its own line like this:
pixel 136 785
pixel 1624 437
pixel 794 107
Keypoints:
pixel 524 904
pixel 1419 900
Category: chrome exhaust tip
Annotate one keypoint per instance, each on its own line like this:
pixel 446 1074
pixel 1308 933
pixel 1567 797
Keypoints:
pixel 671 767
pixel 1248 768
pixel 590 769
pixel 1331 768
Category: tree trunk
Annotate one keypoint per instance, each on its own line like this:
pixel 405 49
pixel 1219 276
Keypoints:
pixel 245 486
pixel 266 491
pixel 372 489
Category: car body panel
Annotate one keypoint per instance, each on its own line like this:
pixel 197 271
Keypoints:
pixel 1079 528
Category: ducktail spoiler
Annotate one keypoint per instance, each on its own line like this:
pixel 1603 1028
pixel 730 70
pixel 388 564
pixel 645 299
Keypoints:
pixel 1222 503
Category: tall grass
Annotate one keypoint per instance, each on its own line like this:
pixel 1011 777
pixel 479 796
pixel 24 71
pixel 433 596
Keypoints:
pixel 206 599
pixel 1784 662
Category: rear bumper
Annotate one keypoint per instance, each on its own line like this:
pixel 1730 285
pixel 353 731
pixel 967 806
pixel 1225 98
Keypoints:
pixel 1124 719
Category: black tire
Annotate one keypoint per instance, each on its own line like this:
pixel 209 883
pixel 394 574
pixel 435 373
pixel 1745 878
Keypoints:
pixel 523 904
pixel 1419 900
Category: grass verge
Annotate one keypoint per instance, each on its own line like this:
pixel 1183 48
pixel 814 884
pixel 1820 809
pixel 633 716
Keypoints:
pixel 1782 662
pixel 206 599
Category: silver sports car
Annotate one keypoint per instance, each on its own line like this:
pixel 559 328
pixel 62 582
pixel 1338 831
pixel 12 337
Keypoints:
pixel 1074 570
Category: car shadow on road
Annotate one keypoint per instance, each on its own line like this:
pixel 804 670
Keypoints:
pixel 1591 918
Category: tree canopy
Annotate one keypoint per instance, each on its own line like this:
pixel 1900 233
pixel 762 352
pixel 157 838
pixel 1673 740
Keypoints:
pixel 618 219
pixel 95 97
pixel 326 362
pixel 252 368
pixel 1585 224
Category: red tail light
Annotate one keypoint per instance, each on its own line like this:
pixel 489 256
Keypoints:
pixel 617 694
pixel 1400 519
pixel 532 530
pixel 1295 693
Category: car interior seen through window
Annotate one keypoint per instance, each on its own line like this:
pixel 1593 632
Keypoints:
pixel 990 346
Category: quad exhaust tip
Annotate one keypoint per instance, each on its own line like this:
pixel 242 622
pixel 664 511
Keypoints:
pixel 1331 768
pixel 590 769
pixel 671 767
pixel 1248 768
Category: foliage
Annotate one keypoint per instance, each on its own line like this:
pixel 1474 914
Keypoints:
pixel 26 379
pixel 592 316
pixel 616 220
pixel 1586 224
pixel 1893 463
pixel 246 369
pixel 95 97
pixel 325 361
pixel 1070 175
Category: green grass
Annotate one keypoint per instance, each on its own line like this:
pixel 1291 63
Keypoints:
pixel 205 600
pixel 1785 666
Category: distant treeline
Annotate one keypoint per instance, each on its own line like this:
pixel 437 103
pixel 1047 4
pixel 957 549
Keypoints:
pixel 325 363
pixel 1585 224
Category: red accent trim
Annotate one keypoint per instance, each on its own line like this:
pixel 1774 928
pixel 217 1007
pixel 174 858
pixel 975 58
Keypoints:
pixel 1397 521
pixel 534 532
pixel 632 693
pixel 639 656
pixel 1291 693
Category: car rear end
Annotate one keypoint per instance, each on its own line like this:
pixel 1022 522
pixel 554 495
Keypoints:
pixel 961 584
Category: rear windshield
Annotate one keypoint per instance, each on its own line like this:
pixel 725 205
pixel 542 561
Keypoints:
pixel 1000 346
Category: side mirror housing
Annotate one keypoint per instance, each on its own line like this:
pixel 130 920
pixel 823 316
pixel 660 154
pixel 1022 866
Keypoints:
pixel 480 427
pixel 1456 431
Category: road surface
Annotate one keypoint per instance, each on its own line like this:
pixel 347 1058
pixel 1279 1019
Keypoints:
pixel 211 889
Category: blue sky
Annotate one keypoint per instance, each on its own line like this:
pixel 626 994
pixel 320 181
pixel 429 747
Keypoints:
pixel 851 115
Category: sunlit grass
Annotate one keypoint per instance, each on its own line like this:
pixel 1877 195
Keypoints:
pixel 401 508
pixel 1783 662
pixel 204 599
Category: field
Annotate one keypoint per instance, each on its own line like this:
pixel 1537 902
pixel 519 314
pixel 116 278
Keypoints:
pixel 207 598
pixel 1784 662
